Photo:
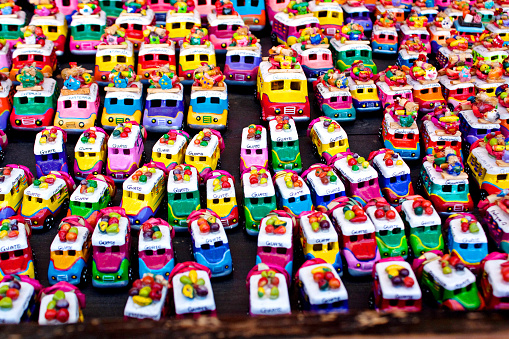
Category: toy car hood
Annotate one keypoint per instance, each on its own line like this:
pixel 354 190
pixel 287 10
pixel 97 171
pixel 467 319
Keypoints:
pixel 324 190
pixel 276 240
pixel 385 224
pixel 257 191
pixel 152 311
pixel 88 147
pixel 322 236
pixel 184 305
pixel 327 137
pixel 127 143
pixel 254 144
pixel 92 197
pixel 97 19
pixel 48 89
pixel 498 284
pixel 73 309
pixel 288 193
pixel 207 151
pixel 265 305
pixel 419 220
pixel 14 315
pixel 313 292
pixel 221 194
pixel 283 134
pixel 389 291
pixel 49 147
pixel 454 280
pixel 209 238
pixel 77 245
pixel 183 186
pixel 151 245
pixel 180 142
pixel 461 237
pixel 395 170
pixel 47 193
pixel 143 188
pixel 18 243
pixel 349 228
pixel 109 240
pixel 355 176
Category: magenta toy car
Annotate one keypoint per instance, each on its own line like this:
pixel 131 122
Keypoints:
pixel 155 248
pixel 221 30
pixel 253 149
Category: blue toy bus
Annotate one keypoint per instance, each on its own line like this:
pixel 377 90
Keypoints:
pixel 292 193
pixel 49 151
pixel 323 188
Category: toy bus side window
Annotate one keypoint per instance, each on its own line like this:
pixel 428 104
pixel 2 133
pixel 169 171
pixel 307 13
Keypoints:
pixel 501 177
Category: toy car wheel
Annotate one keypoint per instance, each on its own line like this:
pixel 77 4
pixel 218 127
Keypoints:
pixel 380 135
pixel 65 206
pixel 84 277
pixel 483 194
pixel 130 273
pixel 48 223
pixel 2 156
pixel 273 38
pixel 371 301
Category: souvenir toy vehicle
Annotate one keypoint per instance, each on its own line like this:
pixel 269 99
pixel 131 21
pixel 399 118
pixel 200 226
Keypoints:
pixel 12 23
pixel 346 54
pixel 323 184
pixel 46 198
pixel 125 150
pixel 446 123
pixel 210 244
pixel 90 153
pixel 406 58
pixel 135 18
pixel 314 54
pixel 394 173
pixel 259 197
pixel 243 57
pixel 87 27
pixel 423 225
pixel 164 105
pixel 320 287
pixel 143 192
pixel 112 51
pixel 489 71
pixel 74 6
pixel 327 141
pixel 253 13
pixel 221 29
pixel 493 54
pixel 209 104
pixel 494 280
pixel 493 210
pixel 93 194
pixel 123 101
pixel 502 29
pixel 356 234
pixel 439 32
pixel 360 179
pixel 466 26
pixel 22 305
pixel 49 151
pixel 448 282
pixel 113 8
pixel 78 103
pixel 111 241
pixel 292 194
pixel 54 27
pixel 221 199
pixel 393 85
pixel 286 28
pixel 285 144
pixel 170 149
pixel 155 248
pixel 426 89
pixel 385 37
pixel 14 179
pixel 192 291
pixel 253 148
pixel 455 52
pixel 183 195
pixel 155 54
pixel 466 240
pixel 282 86
pixel 354 11
pixel 204 151
pixel 319 239
pixel 268 290
pixel 408 32
pixel 389 228
pixel 63 294
pixel 395 287
pixel 70 252
pixel 5 56
pixel 332 95
pixel 195 51
pixel 436 138
pixel 473 128
pixel 275 246
pixel 329 14
pixel 180 24
pixel 155 305
pixel 16 252
pixel 364 94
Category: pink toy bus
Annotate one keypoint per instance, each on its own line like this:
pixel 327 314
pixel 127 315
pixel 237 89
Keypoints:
pixel 286 30
pixel 407 33
pixel 269 296
pixel 456 93
pixel 315 61
pixel 221 30
pixel 67 7
pixel 273 7
pixel 77 112
pixel 253 149
pixel 155 249
pixel 389 94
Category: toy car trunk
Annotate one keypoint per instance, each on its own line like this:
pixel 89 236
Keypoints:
pixel 54 27
pixel 108 56
pixel 44 58
pixel 268 290
pixel 314 59
pixel 49 151
pixel 122 104
pixel 210 243
pixel 335 103
pixel 204 151
pixel 438 37
pixel 285 145
pixel 155 248
pixel 152 307
pixel 188 303
pixel 208 108
pixel 324 187
pixel 86 32
pixel 433 137
pixel 183 195
pixel 427 94
pixel 321 242
pixel 395 181
pixel 152 56
pixel 424 231
pixel 221 198
pixel 276 247
pixel 456 93
pixel 444 53
pixel 253 148
pixel 125 150
pixel 34 108
pixel 221 29
pixel 489 87
pixel 358 15
pixel 143 192
pixel 286 29
pixel 164 109
pixel 472 130
pixel 327 141
pixel 402 140
pixel 11 27
pixel 5 58
pixel 422 33
pixel 241 65
pixel 77 112
pixel 493 285
pixel 46 198
pixel 92 195
pixel 90 153
pixel 75 302
pixel 385 40
pixel 364 96
pixel 191 57
pixel 389 94
pixel 330 15
pixel 324 295
pixel 179 25
pixel 134 25
pixel 395 287
pixel 406 59
pixel 259 197
pixel 292 194
pixel 70 252
pixel 25 305
pixel 16 252
pixel 345 54
pixel 489 177
pixel 14 179
pixel 502 31
pixel 170 149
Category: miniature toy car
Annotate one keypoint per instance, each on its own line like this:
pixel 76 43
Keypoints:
pixel 122 104
pixel 12 23
pixel 393 86
pixel 220 197
pixel 473 128
pixel 493 210
pixel 329 14
pixel 90 153
pixel 253 148
pixel 195 50
pixel 16 253
pixel 437 138
pixel 285 144
pixel 86 32
pixel 155 52
pixel 221 29
pixel 183 195
pixel 356 12
pixel 243 57
pixel 408 32
pixel 111 53
pixel 14 179
pixel 179 24
pixel 385 35
pixel 268 290
pixel 54 27
pixel 332 95
pixel 292 194
pixel 323 184
pixel 155 305
pixel 170 149
pixel 155 248
pixel 314 54
pixel 253 13
pixel 135 19
pixel 204 151
pixel 286 28
pixel 49 151
pixel 346 53
pixel 493 284
pixel 24 306
pixel 328 138
pixel 68 311
pixel 364 94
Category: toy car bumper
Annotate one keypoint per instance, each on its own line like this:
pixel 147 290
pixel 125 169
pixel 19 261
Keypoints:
pixel 220 269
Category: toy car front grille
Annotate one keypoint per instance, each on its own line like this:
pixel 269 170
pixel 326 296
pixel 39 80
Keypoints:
pixel 108 278
pixel 289 110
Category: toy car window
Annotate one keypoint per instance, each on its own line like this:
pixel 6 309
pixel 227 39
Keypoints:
pixel 353 238
pixel 365 54
pixel 189 195
pixel 88 205
pixel 371 182
pixel 215 201
pixel 214 100
pixel 204 57
pixel 23 100
pixel 298 28
pixel 396 230
pixel 39 100
pixel 4 255
pixel 461 187
pixel 295 85
pixel 322 14
pixel 129 102
pixel 325 56
pixel 447 188
pixel 175 25
pixel 259 151
pixel 82 104
pixel 370 90
pixel 459 91
pixel 121 59
pixel 190 57
pixel 303 197
pixel 441 143
pixel 161 251
pixel 23 57
pixel 124 26
pixel 141 197
pixel 393 180
pixel 80 28
pixel 312 56
pixel 398 136
pixel 155 103
pixel 249 59
pixel 148 57
pixel 235 28
pixel 350 54
pixel 360 91
pixel 267 200
pixel 115 249
pixel 189 25
pixel 67 104
pixel 330 246
pixel 281 250
pixel 163 57
pixel 354 15
pixel 59 252
pixel 501 177
pixel 71 253
pixel 290 143
pixel 12 28
pixel 317 247
pixel 127 151
pixel 367 236
pixel 334 99
pixel 335 14
pixel 55 156
pixel 277 85
pixel 119 4
pixel 218 244
pixel 101 249
pixel 202 2
pixel 95 28
pixel 291 200
pixel 203 159
pixel 454 143
pixel 410 136
pixel 477 245
pixel 106 58
pixel 419 229
pixel 403 177
pixel 457 291
pixel 52 29
pixel 382 36
pixel 200 100
pixel 226 200
pixel 254 201
pixel 280 1
pixel 149 252
pixel 464 246
pixel 222 27
pixel 266 249
pixel 205 247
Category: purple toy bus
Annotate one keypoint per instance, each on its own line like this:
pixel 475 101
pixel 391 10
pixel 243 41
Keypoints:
pixel 49 151
pixel 253 149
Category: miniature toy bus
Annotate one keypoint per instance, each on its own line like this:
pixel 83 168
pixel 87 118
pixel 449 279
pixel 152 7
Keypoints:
pixel 134 25
pixel 364 96
pixel 44 58
pixel 109 56
pixel 183 195
pixel 428 95
pixel 208 108
pixel 327 141
pixel 443 54
pixel 155 248
pixel 11 28
pixel 54 28
pixel 496 220
pixel 16 254
pixel 503 32
pixel 286 29
pixel 205 154
pixel 488 54
pixel 493 285
pixel 253 148
pixel 389 94
pixel 456 94
pixel 191 58
pixel 90 153
pixel 123 105
pixel 402 140
pixel 5 58
pixel 433 137
pixel 490 88
pixel 221 197
pixel 93 194
pixel 170 149
pixel 259 197
pixel 335 103
pixel 406 60
pixel 252 12
pixel 324 188
pixel 358 15
pixel 159 299
pixel 241 65
pixel 489 177
pixel 407 33
pixel 152 56
pixel 77 112
pixel 472 130
pixel 345 54
pixel 179 25
pixel 16 179
pixel 268 290
pixel 164 109
pixel 397 13
pixel 394 177
pixel 292 194
pixel 86 33
pixel 315 61
pixel 385 40
pixel 24 307
pixel 329 14
pixel 438 37
pixel 221 29
pixel 49 150
pixel 285 146
pixel 74 300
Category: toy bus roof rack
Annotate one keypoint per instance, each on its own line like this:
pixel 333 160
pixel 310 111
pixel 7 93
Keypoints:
pixel 250 48
pixel 160 90
pixel 127 89
pixel 112 46
pixel 214 88
pixel 46 17
pixel 156 45
pixel 91 16
pixel 462 22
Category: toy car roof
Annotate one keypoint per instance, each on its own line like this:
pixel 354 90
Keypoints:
pixel 223 193
pixel 197 151
pixel 483 51
pixel 461 237
pixel 48 89
pixel 150 245
pixel 327 93
pixel 322 236
pixel 403 53
pixel 213 20
pixel 500 217
pixel 49 147
pixel 295 21
pixel 209 50
pixel 268 306
pixel 473 121
pixel 57 19
pixel 412 31
pixel 276 240
pixel 445 51
pixel 384 30
pixel 424 11
pixel 18 20
pixel 254 144
pixel 278 135
pixel 184 305
pixel 246 52
pixel 447 83
pixel 317 296
pixel 415 220
pixel 97 19
pixel 354 86
pixel 143 188
pixel 324 6
pixel 88 147
pixel 389 291
pixel 128 18
pixel 159 147
pixel 93 197
pixel 73 309
pixel 323 190
pixel 492 28
pixel 46 193
pixel 483 84
pixel 192 16
pixel 178 96
pixel 210 238
pixel 112 50
pixel 222 95
pixel 111 239
pixel 384 224
pixel 498 284
pixel 435 31
pixel 437 178
pixel 152 311
pixel 467 27
pixel 126 94
pixel 384 87
pixel 184 186
pixel 349 228
pixel 77 245
pixel 382 9
pixel 288 193
pixel 403 130
pixel 91 97
pixel 355 176
pixel 488 162
pixel 451 281
pixel 453 13
pixel 395 170
pixel 19 305
pixel 155 49
pixel 338 46
pixel 257 191
pixel 274 76
pixel 431 129
pixel 14 244
pixel 418 86
pixel 354 9
pixel 306 52
pixel 6 87
pixel 128 142
pixel 11 180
